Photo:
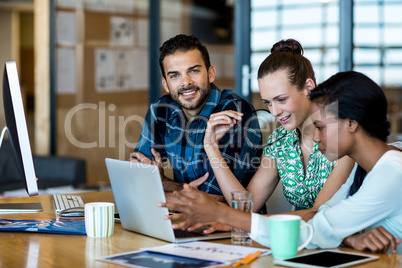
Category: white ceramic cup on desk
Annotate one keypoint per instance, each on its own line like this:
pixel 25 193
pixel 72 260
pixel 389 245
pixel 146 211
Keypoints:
pixel 99 219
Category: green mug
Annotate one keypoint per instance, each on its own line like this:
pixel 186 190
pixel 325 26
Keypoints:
pixel 284 232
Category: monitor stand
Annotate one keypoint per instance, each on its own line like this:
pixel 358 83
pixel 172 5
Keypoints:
pixel 8 208
pixel 2 135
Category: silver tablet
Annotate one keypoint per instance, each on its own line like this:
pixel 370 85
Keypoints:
pixel 327 258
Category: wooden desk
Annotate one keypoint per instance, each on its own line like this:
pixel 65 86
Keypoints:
pixel 23 249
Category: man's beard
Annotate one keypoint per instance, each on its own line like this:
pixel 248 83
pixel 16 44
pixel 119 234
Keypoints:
pixel 200 101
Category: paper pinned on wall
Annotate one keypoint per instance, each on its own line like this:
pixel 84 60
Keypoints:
pixel 108 6
pixel 124 6
pixel 99 5
pixel 143 30
pixel 170 29
pixel 120 70
pixel 66 31
pixel 142 7
pixel 124 63
pixel 171 9
pixel 104 70
pixel 66 77
pixel 141 69
pixel 69 3
pixel 121 31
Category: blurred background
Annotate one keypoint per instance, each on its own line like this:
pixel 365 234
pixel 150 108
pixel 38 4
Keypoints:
pixel 89 68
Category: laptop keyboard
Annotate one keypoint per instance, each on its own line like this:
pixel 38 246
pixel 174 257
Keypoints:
pixel 182 234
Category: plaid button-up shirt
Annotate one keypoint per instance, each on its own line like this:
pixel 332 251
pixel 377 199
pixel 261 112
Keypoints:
pixel 168 131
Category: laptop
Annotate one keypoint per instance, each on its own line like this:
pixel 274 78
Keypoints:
pixel 137 188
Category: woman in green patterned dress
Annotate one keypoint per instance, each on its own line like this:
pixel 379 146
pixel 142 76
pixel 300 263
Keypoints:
pixel 308 178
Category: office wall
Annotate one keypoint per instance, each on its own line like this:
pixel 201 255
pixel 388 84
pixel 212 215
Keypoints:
pixel 16 30
pixel 5 52
pixel 101 85
pixel 97 117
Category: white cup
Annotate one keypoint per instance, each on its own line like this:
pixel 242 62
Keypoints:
pixel 99 219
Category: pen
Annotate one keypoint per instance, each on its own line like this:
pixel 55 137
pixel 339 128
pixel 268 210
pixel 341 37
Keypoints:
pixel 248 259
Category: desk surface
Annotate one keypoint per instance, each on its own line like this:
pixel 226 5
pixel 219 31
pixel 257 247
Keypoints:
pixel 23 249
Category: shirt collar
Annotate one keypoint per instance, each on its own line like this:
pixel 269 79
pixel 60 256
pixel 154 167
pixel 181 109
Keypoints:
pixel 176 110
pixel 294 139
pixel 213 100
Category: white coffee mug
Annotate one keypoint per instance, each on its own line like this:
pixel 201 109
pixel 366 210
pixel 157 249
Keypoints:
pixel 99 219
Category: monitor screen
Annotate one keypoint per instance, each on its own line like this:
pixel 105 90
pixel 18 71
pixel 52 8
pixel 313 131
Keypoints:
pixel 17 127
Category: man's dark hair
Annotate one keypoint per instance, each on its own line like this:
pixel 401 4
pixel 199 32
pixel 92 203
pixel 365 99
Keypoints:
pixel 182 43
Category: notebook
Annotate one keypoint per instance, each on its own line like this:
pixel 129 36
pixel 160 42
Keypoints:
pixel 137 188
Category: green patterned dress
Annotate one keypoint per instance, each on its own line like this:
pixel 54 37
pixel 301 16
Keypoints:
pixel 299 189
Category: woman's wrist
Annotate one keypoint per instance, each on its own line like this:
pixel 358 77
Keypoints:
pixel 212 150
pixel 234 218
pixel 348 241
pixel 223 214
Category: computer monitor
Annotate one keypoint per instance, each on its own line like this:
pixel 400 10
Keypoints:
pixel 17 127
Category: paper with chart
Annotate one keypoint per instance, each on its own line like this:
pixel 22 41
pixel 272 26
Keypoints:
pixel 207 251
pixel 192 254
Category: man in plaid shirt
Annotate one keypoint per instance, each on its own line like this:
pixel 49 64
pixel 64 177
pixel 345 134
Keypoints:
pixel 175 124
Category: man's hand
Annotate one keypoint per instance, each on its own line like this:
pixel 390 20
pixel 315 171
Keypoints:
pixel 375 240
pixel 138 157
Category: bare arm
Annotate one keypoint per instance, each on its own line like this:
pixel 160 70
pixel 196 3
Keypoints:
pixel 265 179
pixel 264 182
pixel 335 180
pixel 198 207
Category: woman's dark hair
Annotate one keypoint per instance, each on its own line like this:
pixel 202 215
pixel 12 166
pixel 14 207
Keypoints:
pixel 358 98
pixel 288 55
pixel 182 43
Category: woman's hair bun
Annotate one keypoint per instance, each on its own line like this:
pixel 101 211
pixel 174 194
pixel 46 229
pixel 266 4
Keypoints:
pixel 290 45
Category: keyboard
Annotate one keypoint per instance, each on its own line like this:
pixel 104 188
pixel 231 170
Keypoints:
pixel 65 201
pixel 178 233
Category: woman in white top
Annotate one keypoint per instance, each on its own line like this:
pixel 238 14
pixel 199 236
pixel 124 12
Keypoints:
pixel 349 112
